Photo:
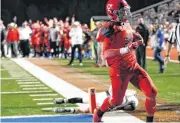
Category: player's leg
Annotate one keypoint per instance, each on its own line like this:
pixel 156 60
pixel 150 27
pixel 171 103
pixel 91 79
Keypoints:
pixel 145 84
pixel 119 86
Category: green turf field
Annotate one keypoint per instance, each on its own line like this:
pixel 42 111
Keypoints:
pixel 21 104
pixel 168 84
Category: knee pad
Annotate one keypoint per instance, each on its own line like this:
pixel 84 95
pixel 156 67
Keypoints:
pixel 179 58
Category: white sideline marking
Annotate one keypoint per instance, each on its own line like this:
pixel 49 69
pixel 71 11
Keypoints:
pixel 47 103
pixel 24 83
pixel 39 95
pixel 40 88
pixel 51 80
pixel 42 99
pixel 61 86
pixel 122 118
pixel 32 85
pixel 25 92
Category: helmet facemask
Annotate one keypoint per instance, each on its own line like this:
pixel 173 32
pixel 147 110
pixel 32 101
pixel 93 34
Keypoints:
pixel 123 13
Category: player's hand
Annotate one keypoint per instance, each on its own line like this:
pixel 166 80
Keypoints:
pixel 134 45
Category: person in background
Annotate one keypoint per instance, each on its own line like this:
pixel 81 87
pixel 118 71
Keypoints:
pixel 76 34
pixel 159 48
pixel 53 37
pixel 174 38
pixel 95 42
pixel 142 29
pixel 2 28
pixel 25 33
pixel 87 42
pixel 13 38
pixel 100 38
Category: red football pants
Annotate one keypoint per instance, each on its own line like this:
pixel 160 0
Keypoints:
pixel 139 78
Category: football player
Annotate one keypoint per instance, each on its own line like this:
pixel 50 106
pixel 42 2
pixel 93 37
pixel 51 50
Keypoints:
pixel 120 42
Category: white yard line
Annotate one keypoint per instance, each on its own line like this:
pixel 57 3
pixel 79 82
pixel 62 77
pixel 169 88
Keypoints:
pixel 7 78
pixel 41 95
pixel 26 76
pixel 3 70
pixel 32 85
pixel 40 88
pixel 26 92
pixel 42 99
pixel 46 103
pixel 62 87
pixel 24 83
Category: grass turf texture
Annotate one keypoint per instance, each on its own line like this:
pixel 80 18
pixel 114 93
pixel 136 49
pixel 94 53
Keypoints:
pixel 168 83
pixel 22 104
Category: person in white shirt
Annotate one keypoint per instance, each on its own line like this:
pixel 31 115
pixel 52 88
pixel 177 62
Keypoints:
pixel 25 33
pixel 76 35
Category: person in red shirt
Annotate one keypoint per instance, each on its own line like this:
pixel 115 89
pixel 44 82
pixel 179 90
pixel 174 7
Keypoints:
pixel 120 42
pixel 13 38
pixel 36 38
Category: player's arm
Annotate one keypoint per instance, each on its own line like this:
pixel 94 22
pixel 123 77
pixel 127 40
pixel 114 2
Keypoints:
pixel 109 53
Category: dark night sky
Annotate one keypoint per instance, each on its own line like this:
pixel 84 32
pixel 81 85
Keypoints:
pixel 38 9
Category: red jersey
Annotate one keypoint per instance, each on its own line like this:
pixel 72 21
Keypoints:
pixel 119 39
pixel 13 35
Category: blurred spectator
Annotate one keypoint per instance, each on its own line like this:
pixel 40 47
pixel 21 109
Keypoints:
pixel 95 42
pixel 159 48
pixel 87 42
pixel 2 44
pixel 77 41
pixel 13 38
pixel 174 37
pixel 35 38
pixel 25 33
pixel 53 36
pixel 141 50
